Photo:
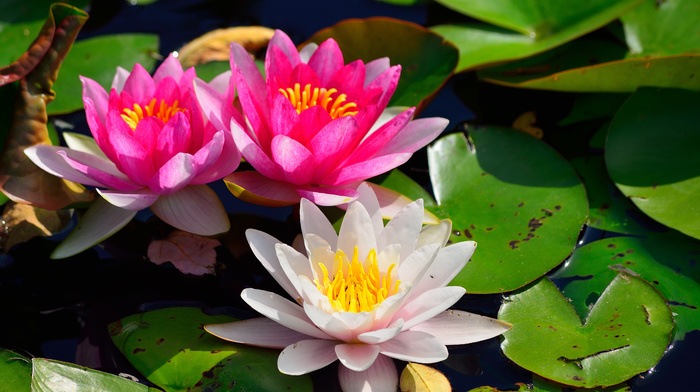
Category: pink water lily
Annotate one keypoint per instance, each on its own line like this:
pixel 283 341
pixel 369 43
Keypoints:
pixel 363 296
pixel 152 147
pixel 313 127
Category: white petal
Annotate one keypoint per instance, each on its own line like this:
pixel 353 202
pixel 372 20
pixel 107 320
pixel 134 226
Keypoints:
pixel 413 268
pixel 357 322
pixel 306 52
pixel 293 264
pixel 135 200
pixel 387 115
pixel 306 356
pixel 380 377
pixel 312 296
pixel 385 311
pixel 194 208
pixel 389 255
pixel 435 234
pixel 429 304
pixel 221 82
pixel 263 247
pixel 314 222
pixel 357 356
pixel 329 324
pixel 319 251
pixel 458 327
pixel 415 346
pixel 391 202
pixel 100 221
pixel 120 78
pixel 374 68
pixel 447 264
pixel 83 143
pixel 357 230
pixel 282 311
pixel 260 332
pixel 382 335
pixel 368 199
pixel 403 229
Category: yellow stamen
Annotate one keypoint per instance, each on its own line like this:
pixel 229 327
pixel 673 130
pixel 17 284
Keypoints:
pixel 354 289
pixel 163 111
pixel 306 98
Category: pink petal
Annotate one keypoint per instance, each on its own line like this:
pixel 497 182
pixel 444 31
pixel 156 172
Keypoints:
pixel 323 196
pixel 381 376
pixel 350 80
pixel 47 158
pixel 327 60
pixel 334 143
pixel 303 74
pixel 217 158
pixel 278 69
pixel 98 128
pixel 211 103
pixel 132 159
pixel 260 332
pixel 415 346
pixel 140 85
pixel 448 262
pixel 403 229
pixel 374 68
pixel 167 90
pixel 101 171
pixel 195 209
pixel 387 82
pixel 255 188
pixel 173 139
pixel 382 335
pixel 98 96
pixel 306 356
pixel 174 175
pixel 284 116
pixel 415 135
pixel 296 161
pixel 254 154
pixel 99 222
pixel 459 327
pixel 119 79
pixel 364 170
pixel 135 200
pixel 428 305
pixel 357 231
pixel 313 221
pixel 311 121
pixel 282 311
pixel 357 356
pixel 374 142
pixel 284 43
pixel 169 68
pixel 146 133
pixel 263 247
pixel 252 90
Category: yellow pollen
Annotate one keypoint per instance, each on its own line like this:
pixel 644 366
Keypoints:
pixel 353 289
pixel 163 111
pixel 306 98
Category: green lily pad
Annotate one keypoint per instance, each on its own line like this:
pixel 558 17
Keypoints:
pixel 512 194
pixel 15 372
pixel 651 154
pixel 667 263
pixel 51 376
pixel 426 59
pixel 524 28
pixel 659 28
pixel 594 106
pixel 540 384
pixel 172 350
pixel 625 333
pixel 97 58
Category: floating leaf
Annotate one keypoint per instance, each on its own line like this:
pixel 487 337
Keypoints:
pixel 668 264
pixel 651 154
pixel 625 333
pixel 51 376
pixel 215 45
pixel 189 253
pixel 422 378
pixel 98 58
pixel 661 28
pixel 512 194
pixel 521 388
pixel 24 222
pixel 172 350
pixel 426 59
pixel 594 106
pixel 540 384
pixel 543 25
pixel 20 179
pixel 15 372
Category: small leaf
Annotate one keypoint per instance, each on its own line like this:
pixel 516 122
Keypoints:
pixel 421 378
pixel 215 45
pixel 50 376
pixel 189 253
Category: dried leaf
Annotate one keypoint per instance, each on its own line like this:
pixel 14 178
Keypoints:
pixel 214 45
pixel 421 378
pixel 525 123
pixel 23 222
pixel 189 253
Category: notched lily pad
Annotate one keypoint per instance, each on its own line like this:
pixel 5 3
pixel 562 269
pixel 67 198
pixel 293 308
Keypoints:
pixel 50 376
pixel 625 333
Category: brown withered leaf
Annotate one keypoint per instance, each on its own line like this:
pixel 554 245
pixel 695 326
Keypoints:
pixel 214 45
pixel 189 253
pixel 20 179
pixel 526 123
pixel 22 222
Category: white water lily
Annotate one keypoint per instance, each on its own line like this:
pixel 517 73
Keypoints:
pixel 363 296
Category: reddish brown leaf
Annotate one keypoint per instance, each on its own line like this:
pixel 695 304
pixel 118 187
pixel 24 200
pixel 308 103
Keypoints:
pixel 189 253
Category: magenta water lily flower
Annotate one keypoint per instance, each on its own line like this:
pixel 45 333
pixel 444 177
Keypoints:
pixel 152 147
pixel 363 296
pixel 313 127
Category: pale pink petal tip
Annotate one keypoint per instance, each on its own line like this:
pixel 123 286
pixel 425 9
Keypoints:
pixel 306 356
pixel 260 332
pixel 380 377
pixel 195 209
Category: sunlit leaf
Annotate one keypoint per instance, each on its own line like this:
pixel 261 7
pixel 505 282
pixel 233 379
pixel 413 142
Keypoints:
pixel 51 376
pixel 663 27
pixel 189 253
pixel 15 372
pixel 422 378
pixel 625 333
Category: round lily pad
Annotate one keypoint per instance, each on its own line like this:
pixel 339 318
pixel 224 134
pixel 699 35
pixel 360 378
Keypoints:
pixel 515 196
pixel 651 154
pixel 662 27
pixel 50 376
pixel 15 371
pixel 172 350
pixel 625 333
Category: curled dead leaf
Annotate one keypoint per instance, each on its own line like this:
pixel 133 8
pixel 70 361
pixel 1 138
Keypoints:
pixel 421 378
pixel 189 253
pixel 525 123
pixel 214 45
pixel 22 222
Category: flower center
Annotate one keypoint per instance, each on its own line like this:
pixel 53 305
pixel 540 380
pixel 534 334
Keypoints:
pixel 163 111
pixel 353 289
pixel 306 98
